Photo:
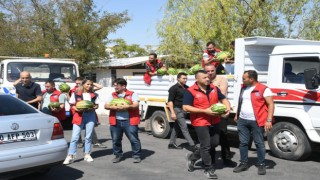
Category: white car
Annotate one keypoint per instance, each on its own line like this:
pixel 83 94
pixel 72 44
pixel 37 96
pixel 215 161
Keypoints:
pixel 30 140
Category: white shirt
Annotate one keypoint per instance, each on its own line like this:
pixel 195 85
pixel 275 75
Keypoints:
pixel 246 106
pixel 86 96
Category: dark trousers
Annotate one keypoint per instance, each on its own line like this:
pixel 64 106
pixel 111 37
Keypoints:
pixel 225 147
pixel 208 137
pixel 180 125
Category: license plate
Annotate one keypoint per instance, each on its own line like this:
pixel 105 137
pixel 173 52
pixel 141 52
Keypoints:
pixel 18 136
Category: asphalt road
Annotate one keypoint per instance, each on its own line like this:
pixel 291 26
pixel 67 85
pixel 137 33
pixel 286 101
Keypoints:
pixel 160 163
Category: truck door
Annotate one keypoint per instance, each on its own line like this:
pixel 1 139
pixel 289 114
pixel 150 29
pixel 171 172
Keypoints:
pixel 292 91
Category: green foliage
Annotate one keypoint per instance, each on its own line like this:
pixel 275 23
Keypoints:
pixel 62 28
pixel 122 50
pixel 188 25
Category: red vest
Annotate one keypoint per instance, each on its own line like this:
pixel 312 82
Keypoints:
pixel 54 97
pixel 133 113
pixel 202 101
pixel 216 64
pixel 147 77
pixel 77 116
pixel 259 105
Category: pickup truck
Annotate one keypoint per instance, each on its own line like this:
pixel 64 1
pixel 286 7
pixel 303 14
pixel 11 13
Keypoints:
pixel 281 64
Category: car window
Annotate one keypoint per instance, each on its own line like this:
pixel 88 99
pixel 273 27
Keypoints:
pixel 13 106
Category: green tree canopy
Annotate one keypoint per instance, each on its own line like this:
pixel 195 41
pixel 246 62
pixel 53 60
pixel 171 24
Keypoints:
pixel 188 25
pixel 62 28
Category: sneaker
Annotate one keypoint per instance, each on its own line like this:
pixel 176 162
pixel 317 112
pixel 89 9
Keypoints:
pixel 210 174
pixel 229 163
pixel 100 145
pixel 136 159
pixel 69 159
pixel 88 158
pixel 190 163
pixel 261 169
pixel 116 159
pixel 174 146
pixel 241 167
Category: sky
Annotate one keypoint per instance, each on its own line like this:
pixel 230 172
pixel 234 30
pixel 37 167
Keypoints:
pixel 144 14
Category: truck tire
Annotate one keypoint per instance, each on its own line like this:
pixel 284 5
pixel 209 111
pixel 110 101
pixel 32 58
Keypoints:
pixel 288 141
pixel 159 125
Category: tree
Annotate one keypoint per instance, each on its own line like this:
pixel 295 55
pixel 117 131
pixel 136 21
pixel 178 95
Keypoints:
pixel 188 25
pixel 62 28
pixel 122 50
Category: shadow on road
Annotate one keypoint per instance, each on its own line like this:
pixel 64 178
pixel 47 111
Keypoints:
pixel 66 173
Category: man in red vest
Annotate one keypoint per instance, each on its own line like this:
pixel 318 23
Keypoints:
pixel 124 118
pixel 51 94
pixel 197 100
pixel 254 116
pixel 222 83
pixel 209 57
pixel 151 67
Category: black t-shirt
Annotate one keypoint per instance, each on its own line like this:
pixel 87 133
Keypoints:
pixel 176 94
pixel 28 92
pixel 188 97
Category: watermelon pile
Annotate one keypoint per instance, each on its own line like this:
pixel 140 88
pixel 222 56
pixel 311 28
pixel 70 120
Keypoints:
pixel 219 108
pixel 54 105
pixel 162 71
pixel 194 69
pixel 119 102
pixel 172 71
pixel 222 55
pixel 64 87
pixel 84 105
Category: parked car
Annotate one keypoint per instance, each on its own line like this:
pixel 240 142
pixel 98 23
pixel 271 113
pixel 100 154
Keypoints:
pixel 30 141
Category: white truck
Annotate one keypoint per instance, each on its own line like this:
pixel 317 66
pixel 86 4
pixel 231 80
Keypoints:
pixel 41 70
pixel 280 64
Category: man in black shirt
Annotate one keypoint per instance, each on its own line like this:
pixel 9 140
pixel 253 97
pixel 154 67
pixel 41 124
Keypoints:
pixel 177 114
pixel 27 90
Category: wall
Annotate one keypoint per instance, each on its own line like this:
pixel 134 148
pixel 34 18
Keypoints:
pixel 128 72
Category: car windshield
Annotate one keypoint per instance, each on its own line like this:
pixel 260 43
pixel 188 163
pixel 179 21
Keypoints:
pixel 13 106
pixel 42 71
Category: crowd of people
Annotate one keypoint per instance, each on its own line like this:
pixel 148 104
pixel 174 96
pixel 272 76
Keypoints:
pixel 254 115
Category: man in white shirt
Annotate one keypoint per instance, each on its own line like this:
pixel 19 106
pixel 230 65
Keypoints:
pixel 254 116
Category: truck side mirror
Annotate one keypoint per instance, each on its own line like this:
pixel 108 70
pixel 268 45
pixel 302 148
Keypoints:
pixel 311 78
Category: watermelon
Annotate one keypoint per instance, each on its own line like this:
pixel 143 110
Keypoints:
pixel 161 71
pixel 54 105
pixel 64 87
pixel 172 71
pixel 219 108
pixel 181 70
pixel 84 105
pixel 195 68
pixel 222 55
pixel 119 101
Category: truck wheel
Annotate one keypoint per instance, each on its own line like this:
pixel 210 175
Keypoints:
pixel 288 141
pixel 159 125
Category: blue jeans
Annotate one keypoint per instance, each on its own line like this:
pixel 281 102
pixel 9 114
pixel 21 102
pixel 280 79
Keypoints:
pixel 246 128
pixel 88 121
pixel 123 126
